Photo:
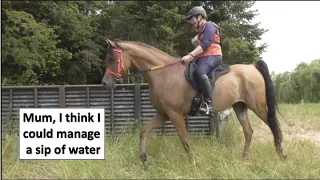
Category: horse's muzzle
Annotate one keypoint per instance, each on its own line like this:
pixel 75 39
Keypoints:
pixel 108 82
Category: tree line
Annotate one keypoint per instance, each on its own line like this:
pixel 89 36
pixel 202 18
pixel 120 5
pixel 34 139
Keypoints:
pixel 300 85
pixel 63 42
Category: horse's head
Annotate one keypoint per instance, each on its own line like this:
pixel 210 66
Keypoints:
pixel 121 55
pixel 117 63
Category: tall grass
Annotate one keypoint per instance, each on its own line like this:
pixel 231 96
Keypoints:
pixel 217 158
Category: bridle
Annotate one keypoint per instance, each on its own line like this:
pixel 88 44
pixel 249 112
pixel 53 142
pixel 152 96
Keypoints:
pixel 120 69
pixel 120 65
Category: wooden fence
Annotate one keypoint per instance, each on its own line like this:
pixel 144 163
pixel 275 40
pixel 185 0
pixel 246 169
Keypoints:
pixel 125 106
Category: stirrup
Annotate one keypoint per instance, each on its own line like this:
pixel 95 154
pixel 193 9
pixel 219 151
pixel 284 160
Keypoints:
pixel 206 110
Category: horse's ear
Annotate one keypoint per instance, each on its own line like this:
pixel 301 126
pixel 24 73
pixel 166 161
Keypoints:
pixel 111 43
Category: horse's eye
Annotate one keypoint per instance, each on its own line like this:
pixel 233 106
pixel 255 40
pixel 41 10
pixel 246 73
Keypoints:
pixel 112 56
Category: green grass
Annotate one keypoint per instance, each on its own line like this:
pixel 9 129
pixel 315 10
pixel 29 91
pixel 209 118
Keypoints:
pixel 218 158
pixel 306 116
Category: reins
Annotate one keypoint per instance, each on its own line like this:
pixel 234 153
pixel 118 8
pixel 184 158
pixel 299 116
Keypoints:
pixel 120 69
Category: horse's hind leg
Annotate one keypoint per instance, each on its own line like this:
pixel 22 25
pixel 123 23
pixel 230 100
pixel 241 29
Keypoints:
pixel 262 113
pixel 241 109
pixel 157 121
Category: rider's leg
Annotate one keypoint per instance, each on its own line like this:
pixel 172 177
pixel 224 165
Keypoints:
pixel 206 64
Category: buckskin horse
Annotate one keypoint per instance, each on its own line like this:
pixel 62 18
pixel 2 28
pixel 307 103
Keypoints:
pixel 173 91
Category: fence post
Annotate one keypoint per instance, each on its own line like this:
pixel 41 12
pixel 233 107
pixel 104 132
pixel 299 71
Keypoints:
pixel 137 102
pixel 88 97
pixel 36 97
pixel 211 125
pixel 112 110
pixel 11 105
pixel 62 96
pixel 188 123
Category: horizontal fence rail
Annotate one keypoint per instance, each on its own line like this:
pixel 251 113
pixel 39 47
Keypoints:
pixel 125 106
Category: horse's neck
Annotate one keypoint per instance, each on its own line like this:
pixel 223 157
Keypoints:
pixel 157 77
pixel 148 60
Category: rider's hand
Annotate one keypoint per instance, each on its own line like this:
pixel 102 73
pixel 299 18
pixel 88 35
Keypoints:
pixel 187 58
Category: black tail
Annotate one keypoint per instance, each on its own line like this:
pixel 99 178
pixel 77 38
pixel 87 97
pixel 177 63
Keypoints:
pixel 271 103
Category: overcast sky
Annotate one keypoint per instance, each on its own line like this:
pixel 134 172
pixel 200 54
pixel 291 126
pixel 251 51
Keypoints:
pixel 294 32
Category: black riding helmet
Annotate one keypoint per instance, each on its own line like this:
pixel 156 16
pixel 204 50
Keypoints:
pixel 198 10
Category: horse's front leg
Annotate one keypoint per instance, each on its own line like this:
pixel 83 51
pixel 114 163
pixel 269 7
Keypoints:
pixel 179 123
pixel 157 121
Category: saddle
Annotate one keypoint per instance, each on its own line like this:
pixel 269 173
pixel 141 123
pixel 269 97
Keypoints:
pixel 213 76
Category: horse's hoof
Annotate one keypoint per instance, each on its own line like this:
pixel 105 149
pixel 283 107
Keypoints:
pixel 244 157
pixel 145 162
pixel 143 157
pixel 284 157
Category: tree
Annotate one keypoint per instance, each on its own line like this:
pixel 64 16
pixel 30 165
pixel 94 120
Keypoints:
pixel 29 52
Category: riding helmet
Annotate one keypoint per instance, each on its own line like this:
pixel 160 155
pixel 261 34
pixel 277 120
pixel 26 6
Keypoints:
pixel 198 10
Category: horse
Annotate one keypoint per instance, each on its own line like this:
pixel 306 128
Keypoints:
pixel 243 87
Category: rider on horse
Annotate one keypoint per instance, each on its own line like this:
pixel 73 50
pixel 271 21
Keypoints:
pixel 208 49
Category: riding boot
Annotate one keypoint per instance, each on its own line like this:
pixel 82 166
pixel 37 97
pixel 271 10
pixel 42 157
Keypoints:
pixel 206 92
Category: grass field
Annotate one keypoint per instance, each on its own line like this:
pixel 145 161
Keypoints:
pixel 218 158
